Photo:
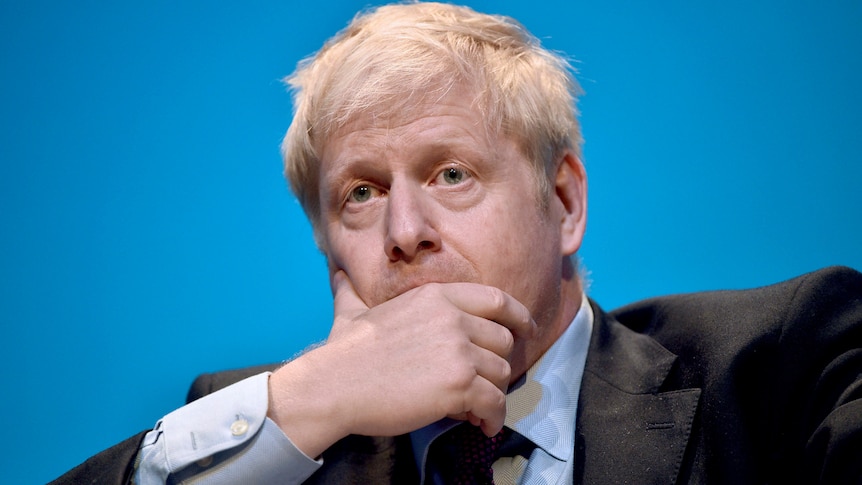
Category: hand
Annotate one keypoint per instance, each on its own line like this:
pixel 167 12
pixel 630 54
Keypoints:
pixel 438 350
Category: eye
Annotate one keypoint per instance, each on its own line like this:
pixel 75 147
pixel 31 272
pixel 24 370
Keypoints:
pixel 361 193
pixel 452 175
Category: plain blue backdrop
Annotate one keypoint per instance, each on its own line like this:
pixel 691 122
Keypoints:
pixel 146 234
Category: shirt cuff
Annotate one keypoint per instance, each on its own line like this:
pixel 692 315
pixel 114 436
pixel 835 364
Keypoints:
pixel 224 437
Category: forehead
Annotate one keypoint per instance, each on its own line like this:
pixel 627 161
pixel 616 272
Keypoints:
pixel 452 118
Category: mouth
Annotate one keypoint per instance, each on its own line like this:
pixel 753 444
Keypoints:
pixel 398 288
pixel 397 283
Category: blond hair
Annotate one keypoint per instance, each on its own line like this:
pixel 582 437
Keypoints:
pixel 395 57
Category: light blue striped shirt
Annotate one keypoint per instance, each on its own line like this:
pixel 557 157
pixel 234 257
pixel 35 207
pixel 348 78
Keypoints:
pixel 226 437
pixel 542 407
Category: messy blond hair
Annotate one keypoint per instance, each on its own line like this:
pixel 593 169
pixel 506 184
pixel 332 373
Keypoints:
pixel 395 57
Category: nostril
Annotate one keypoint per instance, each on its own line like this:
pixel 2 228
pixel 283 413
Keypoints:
pixel 426 245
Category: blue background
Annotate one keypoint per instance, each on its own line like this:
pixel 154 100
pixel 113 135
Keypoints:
pixel 146 234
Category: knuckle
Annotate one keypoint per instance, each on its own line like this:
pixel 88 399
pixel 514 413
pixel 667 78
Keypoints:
pixel 433 287
pixel 462 377
pixel 524 313
pixel 496 298
pixel 496 399
pixel 507 341
pixel 505 372
pixel 428 290
pixel 501 400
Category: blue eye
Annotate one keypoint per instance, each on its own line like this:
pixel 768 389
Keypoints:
pixel 453 175
pixel 360 194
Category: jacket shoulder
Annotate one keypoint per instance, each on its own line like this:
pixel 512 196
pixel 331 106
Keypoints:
pixel 779 367
pixel 820 292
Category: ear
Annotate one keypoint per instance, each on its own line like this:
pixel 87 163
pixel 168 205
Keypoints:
pixel 571 194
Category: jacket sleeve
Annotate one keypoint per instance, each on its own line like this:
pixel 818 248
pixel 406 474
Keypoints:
pixel 114 466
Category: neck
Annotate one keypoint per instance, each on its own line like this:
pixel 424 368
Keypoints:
pixel 527 352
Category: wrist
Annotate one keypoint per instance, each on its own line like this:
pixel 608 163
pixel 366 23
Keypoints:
pixel 304 407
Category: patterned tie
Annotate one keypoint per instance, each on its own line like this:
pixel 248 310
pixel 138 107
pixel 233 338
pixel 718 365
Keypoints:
pixel 473 454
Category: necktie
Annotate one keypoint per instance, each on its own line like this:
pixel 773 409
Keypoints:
pixel 472 454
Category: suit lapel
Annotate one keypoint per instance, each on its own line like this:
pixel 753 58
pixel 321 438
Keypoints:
pixel 628 431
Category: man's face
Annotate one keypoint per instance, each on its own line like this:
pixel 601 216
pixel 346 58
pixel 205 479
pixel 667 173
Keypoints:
pixel 432 196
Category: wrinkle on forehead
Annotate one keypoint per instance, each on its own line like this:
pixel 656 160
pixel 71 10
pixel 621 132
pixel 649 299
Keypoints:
pixel 400 109
pixel 450 125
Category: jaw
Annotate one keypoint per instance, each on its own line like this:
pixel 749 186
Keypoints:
pixel 561 309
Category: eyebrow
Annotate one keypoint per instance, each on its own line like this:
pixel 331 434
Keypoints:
pixel 449 143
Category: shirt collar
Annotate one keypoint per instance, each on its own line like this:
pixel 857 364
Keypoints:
pixel 542 405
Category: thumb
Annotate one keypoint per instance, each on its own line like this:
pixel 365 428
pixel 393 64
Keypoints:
pixel 345 298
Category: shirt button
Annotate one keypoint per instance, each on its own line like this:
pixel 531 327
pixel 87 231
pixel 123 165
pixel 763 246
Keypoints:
pixel 239 427
pixel 205 462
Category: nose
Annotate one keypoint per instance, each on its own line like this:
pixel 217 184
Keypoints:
pixel 410 227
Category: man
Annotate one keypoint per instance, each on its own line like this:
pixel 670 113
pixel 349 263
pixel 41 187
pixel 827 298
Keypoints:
pixel 436 152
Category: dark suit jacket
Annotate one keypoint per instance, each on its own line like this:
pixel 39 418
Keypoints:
pixel 755 386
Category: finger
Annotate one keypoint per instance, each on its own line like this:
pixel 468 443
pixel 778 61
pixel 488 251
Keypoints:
pixel 484 396
pixel 492 368
pixel 487 406
pixel 345 298
pixel 492 304
pixel 492 428
pixel 490 335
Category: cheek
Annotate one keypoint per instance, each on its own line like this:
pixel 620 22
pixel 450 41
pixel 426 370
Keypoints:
pixel 529 252
pixel 349 249
pixel 360 260
pixel 514 241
